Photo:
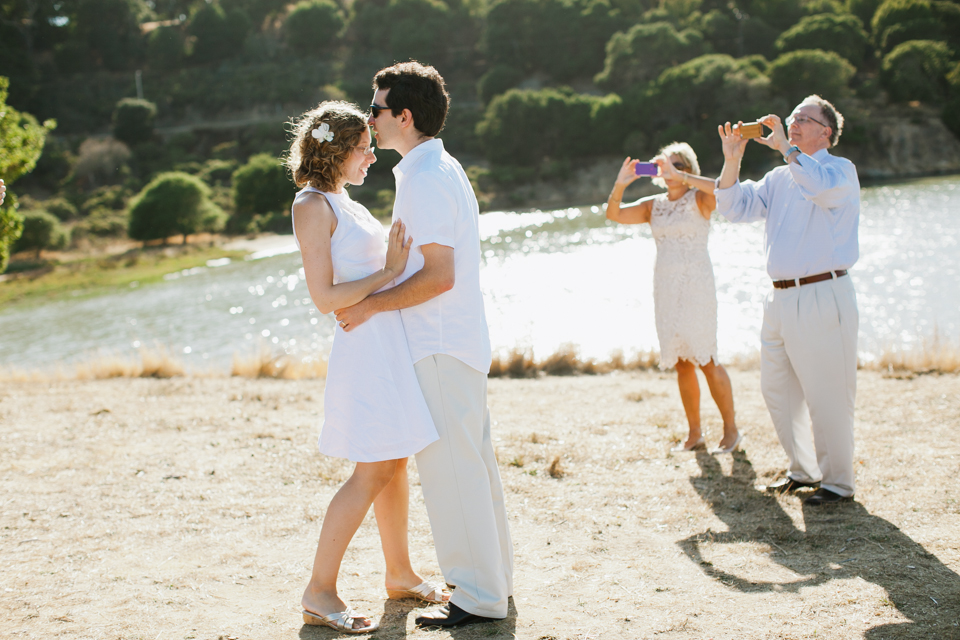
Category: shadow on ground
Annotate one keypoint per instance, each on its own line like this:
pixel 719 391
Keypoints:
pixel 840 542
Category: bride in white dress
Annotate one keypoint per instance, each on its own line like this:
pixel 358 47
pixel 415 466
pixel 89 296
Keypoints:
pixel 374 411
pixel 685 296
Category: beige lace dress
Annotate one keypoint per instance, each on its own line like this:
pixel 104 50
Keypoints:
pixel 684 292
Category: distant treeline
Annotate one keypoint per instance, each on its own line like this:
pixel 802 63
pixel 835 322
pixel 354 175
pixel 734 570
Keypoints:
pixel 537 85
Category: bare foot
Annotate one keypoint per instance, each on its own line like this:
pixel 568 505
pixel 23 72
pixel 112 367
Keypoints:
pixel 411 580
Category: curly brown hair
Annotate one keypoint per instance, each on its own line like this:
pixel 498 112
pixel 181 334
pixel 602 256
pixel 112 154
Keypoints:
pixel 317 162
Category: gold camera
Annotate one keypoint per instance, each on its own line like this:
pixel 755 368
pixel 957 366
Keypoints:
pixel 750 130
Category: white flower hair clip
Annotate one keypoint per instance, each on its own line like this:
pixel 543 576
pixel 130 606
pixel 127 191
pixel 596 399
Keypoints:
pixel 322 132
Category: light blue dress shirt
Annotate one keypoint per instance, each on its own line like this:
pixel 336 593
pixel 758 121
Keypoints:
pixel 811 210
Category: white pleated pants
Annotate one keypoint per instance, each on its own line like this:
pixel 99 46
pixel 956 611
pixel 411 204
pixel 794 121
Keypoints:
pixel 808 375
pixel 462 488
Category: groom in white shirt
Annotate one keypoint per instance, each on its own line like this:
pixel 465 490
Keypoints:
pixel 808 368
pixel 439 299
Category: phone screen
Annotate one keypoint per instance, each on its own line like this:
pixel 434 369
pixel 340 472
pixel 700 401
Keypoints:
pixel 646 169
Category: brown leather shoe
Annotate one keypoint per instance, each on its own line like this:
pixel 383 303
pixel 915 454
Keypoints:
pixel 789 485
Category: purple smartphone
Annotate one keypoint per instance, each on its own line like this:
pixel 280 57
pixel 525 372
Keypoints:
pixel 646 169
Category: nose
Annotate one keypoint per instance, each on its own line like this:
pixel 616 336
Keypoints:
pixel 371 120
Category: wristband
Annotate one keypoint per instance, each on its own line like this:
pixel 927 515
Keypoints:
pixel 786 156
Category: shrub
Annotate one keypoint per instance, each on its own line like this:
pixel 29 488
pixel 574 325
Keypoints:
pixel 102 222
pixel 313 27
pixel 739 35
pixel 101 161
pixel 917 70
pixel 639 55
pixel 797 74
pixel 165 48
pixel 842 34
pixel 564 39
pixel 61 208
pixel 898 21
pixel 173 203
pixel 40 231
pixel 219 34
pixel 109 31
pixel 525 127
pixel 260 186
pixel 497 80
pixel 133 120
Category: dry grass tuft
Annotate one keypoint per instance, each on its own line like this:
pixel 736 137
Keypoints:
pixel 265 364
pixel 555 469
pixel 933 356
pixel 147 363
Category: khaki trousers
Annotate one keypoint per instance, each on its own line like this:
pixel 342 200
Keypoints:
pixel 808 375
pixel 462 488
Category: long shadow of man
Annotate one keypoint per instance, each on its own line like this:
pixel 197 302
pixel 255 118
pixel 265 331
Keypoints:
pixel 841 541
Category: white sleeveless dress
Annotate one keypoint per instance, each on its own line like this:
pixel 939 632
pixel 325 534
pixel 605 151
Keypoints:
pixel 372 404
pixel 684 292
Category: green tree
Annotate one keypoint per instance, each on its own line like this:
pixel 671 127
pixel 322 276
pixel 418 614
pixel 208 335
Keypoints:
pixel 564 39
pixel 21 143
pixel 133 121
pixel 174 203
pixel 40 231
pixel 522 127
pixel 314 27
pixel 109 32
pixel 166 47
pixel 219 34
pixel 917 70
pixel 842 34
pixel 497 80
pixel 797 74
pixel 259 187
pixel 897 21
pixel 641 54
pixel 863 9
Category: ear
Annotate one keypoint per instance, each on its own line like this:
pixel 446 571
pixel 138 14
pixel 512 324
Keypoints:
pixel 406 118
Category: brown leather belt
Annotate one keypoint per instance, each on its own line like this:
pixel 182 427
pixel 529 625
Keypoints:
pixel 820 277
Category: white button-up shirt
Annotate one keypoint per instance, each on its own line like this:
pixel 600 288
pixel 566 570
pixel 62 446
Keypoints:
pixel 811 210
pixel 436 203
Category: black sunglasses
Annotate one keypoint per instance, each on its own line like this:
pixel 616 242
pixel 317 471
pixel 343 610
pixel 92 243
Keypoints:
pixel 679 166
pixel 376 109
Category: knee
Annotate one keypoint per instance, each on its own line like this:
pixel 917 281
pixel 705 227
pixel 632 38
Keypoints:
pixel 684 367
pixel 376 475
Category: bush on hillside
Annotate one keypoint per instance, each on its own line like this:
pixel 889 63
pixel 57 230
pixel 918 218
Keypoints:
pixel 108 33
pixel 917 70
pixel 61 208
pixel 898 21
pixel 313 27
pixel 173 203
pixel 261 186
pixel 842 34
pixel 738 35
pixel 864 9
pixel 526 127
pixel 797 74
pixel 563 39
pixel 641 54
pixel 101 161
pixel 497 80
pixel 133 121
pixel 40 231
pixel 166 47
pixel 219 34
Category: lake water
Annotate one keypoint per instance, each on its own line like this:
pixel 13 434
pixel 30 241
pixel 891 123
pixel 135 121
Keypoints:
pixel 549 278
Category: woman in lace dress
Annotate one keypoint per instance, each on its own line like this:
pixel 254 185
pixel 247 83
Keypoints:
pixel 685 297
pixel 374 412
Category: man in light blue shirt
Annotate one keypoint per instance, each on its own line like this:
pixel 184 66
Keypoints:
pixel 811 211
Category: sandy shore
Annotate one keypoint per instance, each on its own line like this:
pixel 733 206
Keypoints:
pixel 189 508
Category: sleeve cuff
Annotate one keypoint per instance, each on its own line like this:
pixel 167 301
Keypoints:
pixel 444 240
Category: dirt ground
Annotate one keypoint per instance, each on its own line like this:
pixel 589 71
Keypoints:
pixel 190 507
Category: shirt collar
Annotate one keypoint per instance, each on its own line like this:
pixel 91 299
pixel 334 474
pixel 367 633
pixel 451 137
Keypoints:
pixel 413 157
pixel 820 155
